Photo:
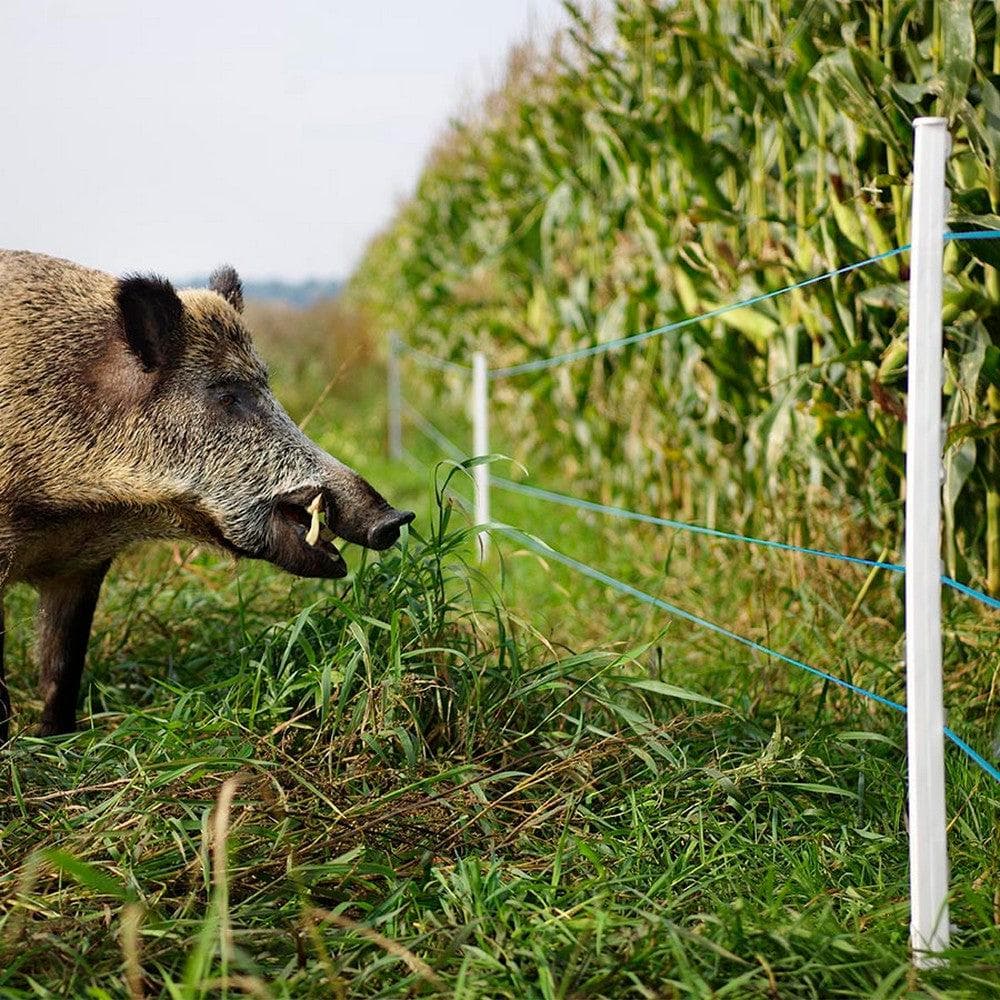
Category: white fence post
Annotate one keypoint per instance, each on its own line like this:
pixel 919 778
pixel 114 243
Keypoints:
pixel 395 399
pixel 481 444
pixel 929 921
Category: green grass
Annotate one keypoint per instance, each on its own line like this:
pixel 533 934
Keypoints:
pixel 439 780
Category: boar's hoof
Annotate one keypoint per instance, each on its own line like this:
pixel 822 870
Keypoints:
pixel 386 532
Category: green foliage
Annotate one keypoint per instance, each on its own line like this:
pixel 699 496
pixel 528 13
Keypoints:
pixel 684 155
pixel 400 789
pixel 394 786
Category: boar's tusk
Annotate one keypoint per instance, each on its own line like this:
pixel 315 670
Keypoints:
pixel 314 509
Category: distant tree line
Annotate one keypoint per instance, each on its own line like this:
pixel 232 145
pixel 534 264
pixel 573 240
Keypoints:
pixel 300 294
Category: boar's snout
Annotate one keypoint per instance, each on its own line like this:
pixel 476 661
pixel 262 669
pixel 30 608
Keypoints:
pixel 385 532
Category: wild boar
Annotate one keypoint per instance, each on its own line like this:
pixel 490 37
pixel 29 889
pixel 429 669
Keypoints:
pixel 131 411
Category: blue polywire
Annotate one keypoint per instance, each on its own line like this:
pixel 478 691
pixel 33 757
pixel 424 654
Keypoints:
pixel 975 234
pixel 447 445
pixel 619 585
pixel 569 501
pixel 433 434
pixel 625 588
pixel 631 515
pixel 972 754
pixel 410 458
pixel 970 592
pixel 990 234
pixel 429 360
pixel 636 338
pixel 430 431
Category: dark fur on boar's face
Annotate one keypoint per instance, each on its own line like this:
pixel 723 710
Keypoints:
pixel 131 411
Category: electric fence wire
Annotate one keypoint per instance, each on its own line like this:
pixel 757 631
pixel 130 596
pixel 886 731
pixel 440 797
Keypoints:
pixel 434 434
pixel 456 453
pixel 446 444
pixel 584 569
pixel 666 522
pixel 547 551
pixel 431 361
pixel 637 338
pixel 631 515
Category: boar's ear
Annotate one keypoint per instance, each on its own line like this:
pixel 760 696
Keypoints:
pixel 152 316
pixel 227 283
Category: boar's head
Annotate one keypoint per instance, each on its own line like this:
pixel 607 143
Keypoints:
pixel 230 466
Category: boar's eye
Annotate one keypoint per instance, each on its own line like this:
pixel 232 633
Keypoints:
pixel 233 398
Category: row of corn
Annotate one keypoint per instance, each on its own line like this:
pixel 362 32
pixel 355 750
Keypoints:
pixel 664 158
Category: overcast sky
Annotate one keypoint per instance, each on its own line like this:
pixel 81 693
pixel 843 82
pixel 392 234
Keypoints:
pixel 275 134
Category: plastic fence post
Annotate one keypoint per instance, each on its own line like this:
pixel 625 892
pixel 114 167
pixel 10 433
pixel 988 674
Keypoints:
pixel 929 920
pixel 481 443
pixel 394 395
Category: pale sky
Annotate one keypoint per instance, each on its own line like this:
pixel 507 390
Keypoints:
pixel 274 134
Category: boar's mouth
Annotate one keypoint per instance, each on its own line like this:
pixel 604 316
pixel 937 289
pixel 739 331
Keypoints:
pixel 295 542
pixel 288 543
pixel 300 543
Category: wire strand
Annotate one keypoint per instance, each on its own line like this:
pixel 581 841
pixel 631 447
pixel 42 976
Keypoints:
pixel 438 437
pixel 431 432
pixel 637 338
pixel 631 515
pixel 974 234
pixel 595 574
pixel 430 360
pixel 434 434
pixel 625 588
pixel 978 595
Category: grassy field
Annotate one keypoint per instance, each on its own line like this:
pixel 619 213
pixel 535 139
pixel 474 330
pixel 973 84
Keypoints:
pixel 439 779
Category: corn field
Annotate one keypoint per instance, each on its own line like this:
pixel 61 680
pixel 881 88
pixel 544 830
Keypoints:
pixel 662 159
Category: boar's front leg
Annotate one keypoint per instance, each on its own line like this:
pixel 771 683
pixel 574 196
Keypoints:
pixel 65 614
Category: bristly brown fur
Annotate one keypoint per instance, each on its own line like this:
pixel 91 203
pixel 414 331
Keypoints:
pixel 130 411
